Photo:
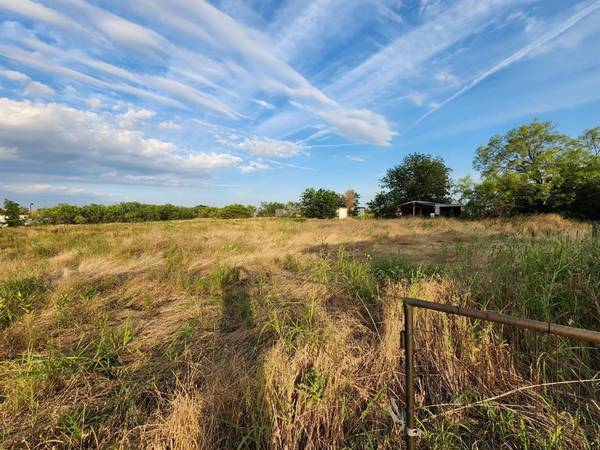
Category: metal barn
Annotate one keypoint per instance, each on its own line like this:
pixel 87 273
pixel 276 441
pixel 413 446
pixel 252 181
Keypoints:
pixel 429 209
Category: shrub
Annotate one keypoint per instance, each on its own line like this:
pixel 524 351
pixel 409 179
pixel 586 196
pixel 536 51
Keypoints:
pixel 320 203
pixel 236 211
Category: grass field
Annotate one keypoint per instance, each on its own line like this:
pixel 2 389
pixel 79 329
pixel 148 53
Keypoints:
pixel 264 333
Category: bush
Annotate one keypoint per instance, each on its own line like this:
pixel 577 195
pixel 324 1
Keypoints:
pixel 236 211
pixel 320 203
pixel 122 212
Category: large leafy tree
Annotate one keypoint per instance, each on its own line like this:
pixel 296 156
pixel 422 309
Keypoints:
pixel 533 168
pixel 320 203
pixel 523 161
pixel 418 177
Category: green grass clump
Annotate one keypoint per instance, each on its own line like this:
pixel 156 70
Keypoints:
pixel 394 269
pixel 18 296
pixel 290 321
pixel 24 380
pixel 353 276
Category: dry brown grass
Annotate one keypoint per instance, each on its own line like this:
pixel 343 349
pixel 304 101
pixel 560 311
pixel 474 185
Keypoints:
pixel 255 334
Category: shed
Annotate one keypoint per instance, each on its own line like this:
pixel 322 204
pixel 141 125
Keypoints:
pixel 342 213
pixel 426 209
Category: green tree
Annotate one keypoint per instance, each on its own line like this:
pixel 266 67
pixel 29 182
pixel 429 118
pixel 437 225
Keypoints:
pixel 590 139
pixel 418 177
pixel 524 161
pixel 384 205
pixel 320 203
pixel 12 211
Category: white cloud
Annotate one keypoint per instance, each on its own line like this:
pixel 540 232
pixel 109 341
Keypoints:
pixel 33 59
pixel 360 125
pixel 271 147
pixel 416 97
pixel 255 55
pixel 254 166
pixel 71 140
pixel 354 158
pixel 43 188
pixel 446 77
pixel 36 89
pixel 133 117
pixel 13 75
pixel 36 11
pixel 264 104
pixel 169 126
pixel 94 102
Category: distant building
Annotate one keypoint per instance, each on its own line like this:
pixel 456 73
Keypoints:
pixel 430 209
pixel 342 213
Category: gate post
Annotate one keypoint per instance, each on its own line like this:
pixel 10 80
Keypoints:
pixel 408 371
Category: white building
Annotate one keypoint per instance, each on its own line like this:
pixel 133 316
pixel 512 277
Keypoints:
pixel 342 213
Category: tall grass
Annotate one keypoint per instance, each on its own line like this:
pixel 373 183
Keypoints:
pixel 276 334
pixel 549 279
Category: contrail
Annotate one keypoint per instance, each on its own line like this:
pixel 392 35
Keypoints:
pixel 518 55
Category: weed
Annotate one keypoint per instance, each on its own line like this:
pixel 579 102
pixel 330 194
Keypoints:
pixel 312 385
pixel 394 269
pixel 109 349
pixel 18 296
pixel 179 343
pixel 77 427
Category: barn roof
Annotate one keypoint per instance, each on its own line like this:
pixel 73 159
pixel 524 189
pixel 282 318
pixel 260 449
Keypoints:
pixel 420 202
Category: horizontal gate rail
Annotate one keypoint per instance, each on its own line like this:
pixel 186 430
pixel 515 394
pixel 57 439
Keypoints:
pixel 489 316
pixel 528 324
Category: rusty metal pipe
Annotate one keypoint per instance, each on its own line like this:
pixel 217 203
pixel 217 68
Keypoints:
pixel 528 324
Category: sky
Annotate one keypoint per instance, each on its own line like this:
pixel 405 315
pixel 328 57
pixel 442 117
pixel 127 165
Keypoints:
pixel 241 101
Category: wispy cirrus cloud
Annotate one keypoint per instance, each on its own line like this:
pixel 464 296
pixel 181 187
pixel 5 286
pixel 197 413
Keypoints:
pixel 37 89
pixel 14 75
pixel 519 54
pixel 271 147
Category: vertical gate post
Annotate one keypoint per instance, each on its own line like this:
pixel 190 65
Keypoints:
pixel 408 370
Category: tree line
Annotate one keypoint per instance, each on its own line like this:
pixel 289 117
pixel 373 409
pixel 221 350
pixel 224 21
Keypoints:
pixel 530 169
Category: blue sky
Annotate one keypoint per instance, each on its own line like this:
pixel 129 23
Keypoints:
pixel 193 102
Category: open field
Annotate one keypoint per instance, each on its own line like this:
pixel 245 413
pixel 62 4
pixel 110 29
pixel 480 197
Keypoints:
pixel 264 333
